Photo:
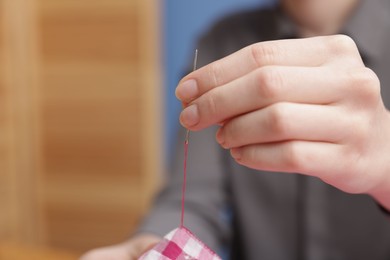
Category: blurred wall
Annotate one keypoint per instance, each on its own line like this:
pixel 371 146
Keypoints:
pixel 79 119
pixel 184 22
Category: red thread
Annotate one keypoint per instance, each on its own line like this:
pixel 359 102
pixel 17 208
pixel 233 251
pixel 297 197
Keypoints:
pixel 184 182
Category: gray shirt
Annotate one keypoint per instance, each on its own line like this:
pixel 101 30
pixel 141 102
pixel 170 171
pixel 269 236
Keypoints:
pixel 263 215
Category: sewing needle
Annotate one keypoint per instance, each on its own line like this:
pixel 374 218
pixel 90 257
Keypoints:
pixel 185 159
pixel 193 69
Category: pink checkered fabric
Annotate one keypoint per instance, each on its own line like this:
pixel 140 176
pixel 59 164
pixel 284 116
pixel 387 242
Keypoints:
pixel 180 244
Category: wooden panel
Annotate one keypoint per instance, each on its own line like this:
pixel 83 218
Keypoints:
pixel 23 214
pixel 105 31
pixel 91 122
pixel 96 108
pixel 80 122
pixel 3 134
pixel 11 251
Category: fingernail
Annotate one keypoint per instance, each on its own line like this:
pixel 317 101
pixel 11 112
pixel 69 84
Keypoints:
pixel 190 116
pixel 220 137
pixel 236 153
pixel 187 91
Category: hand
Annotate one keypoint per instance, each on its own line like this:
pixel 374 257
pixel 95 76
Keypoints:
pixel 305 105
pixel 130 250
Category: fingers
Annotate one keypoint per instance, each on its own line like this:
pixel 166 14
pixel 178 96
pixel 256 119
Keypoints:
pixel 309 52
pixel 128 250
pixel 142 243
pixel 301 106
pixel 335 164
pixel 261 88
pixel 284 122
pixel 310 158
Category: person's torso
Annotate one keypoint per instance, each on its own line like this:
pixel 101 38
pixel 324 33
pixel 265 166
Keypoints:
pixel 288 216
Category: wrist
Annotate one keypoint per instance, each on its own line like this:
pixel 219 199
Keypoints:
pixel 382 192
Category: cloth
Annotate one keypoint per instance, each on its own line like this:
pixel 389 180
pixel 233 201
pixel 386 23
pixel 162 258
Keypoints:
pixel 180 244
pixel 263 215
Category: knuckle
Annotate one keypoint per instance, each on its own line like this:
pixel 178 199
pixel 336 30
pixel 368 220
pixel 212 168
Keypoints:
pixel 361 131
pixel 341 44
pixel 371 85
pixel 263 53
pixel 251 155
pixel 358 134
pixel 351 167
pixel 215 73
pixel 210 105
pixel 270 81
pixel 230 135
pixel 291 157
pixel 365 84
pixel 278 120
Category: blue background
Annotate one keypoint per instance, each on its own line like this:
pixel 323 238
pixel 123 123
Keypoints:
pixel 183 22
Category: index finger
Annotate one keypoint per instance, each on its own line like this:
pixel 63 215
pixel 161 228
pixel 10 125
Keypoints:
pixel 309 52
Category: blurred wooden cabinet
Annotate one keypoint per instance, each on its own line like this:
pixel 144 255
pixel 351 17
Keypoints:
pixel 80 122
